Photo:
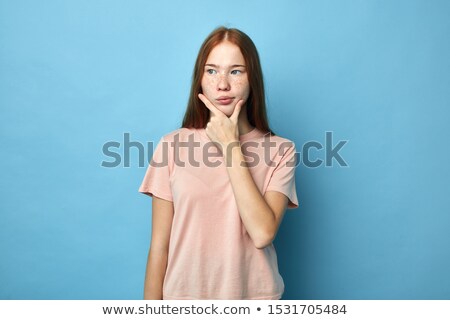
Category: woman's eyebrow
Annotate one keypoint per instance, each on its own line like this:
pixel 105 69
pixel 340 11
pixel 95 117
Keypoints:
pixel 216 66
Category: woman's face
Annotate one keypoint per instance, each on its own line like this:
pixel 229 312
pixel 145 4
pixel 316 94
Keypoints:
pixel 224 80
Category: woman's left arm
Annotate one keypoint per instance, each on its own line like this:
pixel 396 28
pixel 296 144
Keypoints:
pixel 261 215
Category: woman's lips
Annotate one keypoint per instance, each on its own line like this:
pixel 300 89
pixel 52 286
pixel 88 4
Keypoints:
pixel 225 100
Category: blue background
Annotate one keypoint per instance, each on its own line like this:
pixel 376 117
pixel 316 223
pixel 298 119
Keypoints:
pixel 75 75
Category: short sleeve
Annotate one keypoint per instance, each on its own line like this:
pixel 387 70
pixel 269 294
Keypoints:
pixel 283 176
pixel 157 178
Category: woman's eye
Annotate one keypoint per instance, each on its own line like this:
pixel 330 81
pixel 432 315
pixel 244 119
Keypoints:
pixel 211 71
pixel 236 71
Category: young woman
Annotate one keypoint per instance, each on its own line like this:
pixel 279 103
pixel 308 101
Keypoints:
pixel 220 184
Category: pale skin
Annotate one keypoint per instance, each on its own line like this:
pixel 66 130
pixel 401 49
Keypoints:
pixel 224 75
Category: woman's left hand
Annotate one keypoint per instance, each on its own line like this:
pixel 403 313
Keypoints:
pixel 221 129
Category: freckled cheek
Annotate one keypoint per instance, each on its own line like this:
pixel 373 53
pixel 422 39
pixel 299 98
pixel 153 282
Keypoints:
pixel 241 87
pixel 208 85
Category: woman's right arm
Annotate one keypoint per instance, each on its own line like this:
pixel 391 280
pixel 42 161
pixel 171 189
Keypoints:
pixel 162 215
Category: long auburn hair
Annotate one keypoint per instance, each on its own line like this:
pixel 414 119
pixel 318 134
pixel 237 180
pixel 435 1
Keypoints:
pixel 197 115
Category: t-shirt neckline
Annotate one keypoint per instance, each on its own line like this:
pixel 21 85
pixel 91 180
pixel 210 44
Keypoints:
pixel 243 137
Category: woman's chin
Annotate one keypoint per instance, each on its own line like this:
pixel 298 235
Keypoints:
pixel 227 110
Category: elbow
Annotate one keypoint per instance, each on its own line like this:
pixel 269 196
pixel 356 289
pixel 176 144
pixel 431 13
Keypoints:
pixel 263 240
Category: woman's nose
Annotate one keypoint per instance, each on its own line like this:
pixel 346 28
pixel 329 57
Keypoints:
pixel 223 84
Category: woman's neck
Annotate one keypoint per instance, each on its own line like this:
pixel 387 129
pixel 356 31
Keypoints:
pixel 243 125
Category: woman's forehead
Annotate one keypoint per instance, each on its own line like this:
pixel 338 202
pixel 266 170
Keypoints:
pixel 225 54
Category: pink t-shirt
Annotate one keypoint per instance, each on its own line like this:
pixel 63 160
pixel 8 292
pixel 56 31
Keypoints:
pixel 211 255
